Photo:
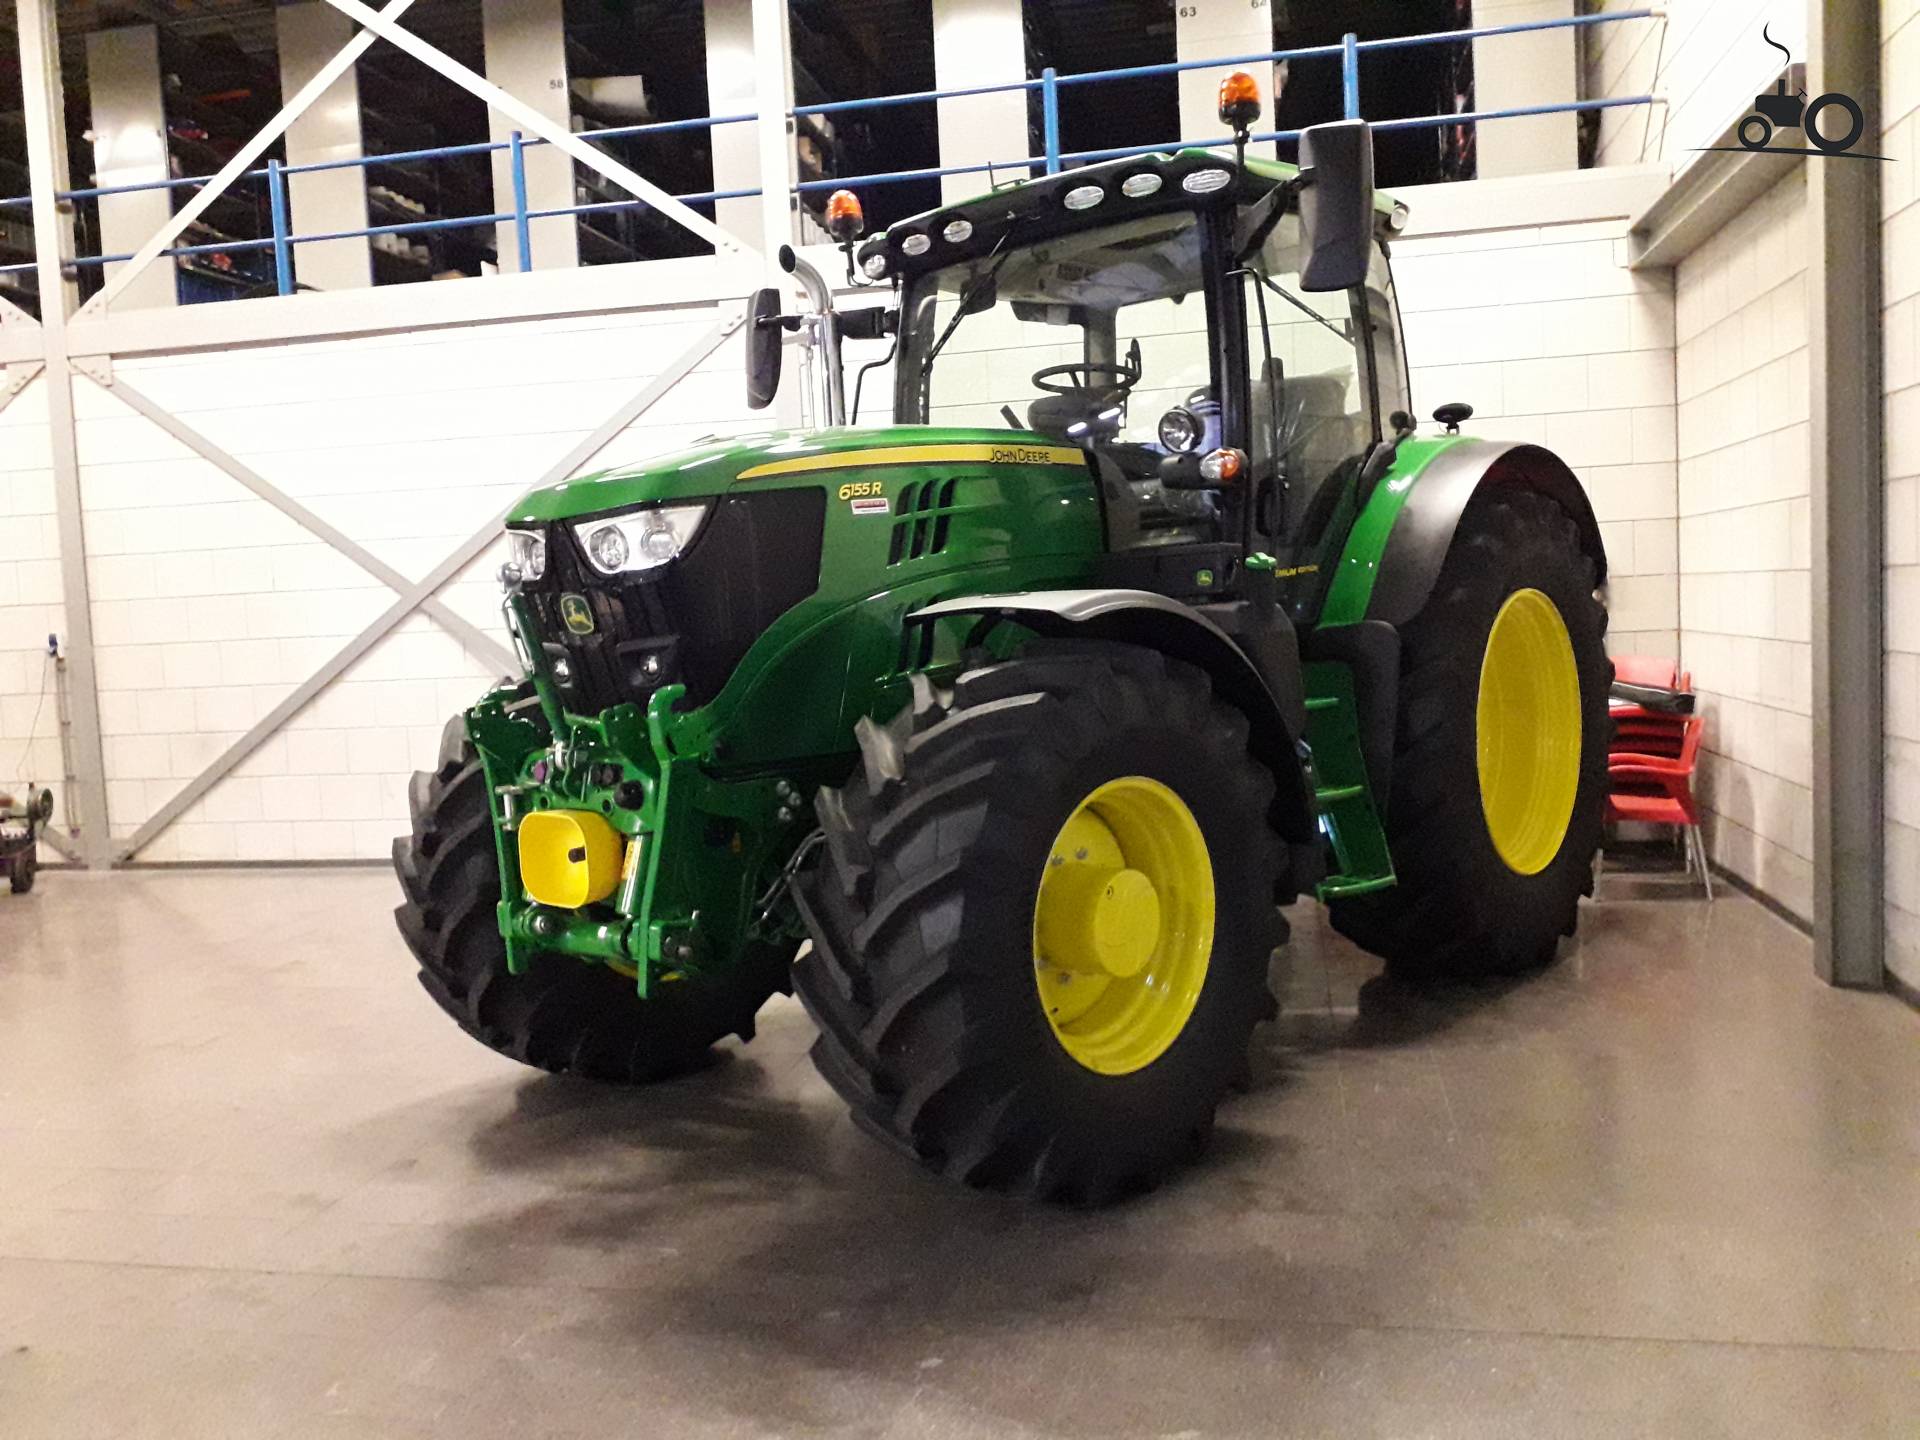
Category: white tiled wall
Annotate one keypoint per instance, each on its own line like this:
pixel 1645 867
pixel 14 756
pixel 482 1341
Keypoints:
pixel 1744 553
pixel 210 605
pixel 1900 109
pixel 30 603
pixel 1706 56
pixel 1552 340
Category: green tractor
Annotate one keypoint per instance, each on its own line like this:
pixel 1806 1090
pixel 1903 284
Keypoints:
pixel 1003 732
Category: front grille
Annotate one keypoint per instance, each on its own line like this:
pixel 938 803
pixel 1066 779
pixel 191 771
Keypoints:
pixel 690 621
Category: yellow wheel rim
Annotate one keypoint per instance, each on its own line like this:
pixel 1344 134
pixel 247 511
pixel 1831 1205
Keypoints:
pixel 1529 732
pixel 1123 926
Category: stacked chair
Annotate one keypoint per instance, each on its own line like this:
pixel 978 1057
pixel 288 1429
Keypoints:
pixel 1655 748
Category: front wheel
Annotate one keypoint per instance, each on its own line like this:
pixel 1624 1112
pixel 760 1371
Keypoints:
pixel 1043 921
pixel 1500 752
pixel 25 866
pixel 560 1013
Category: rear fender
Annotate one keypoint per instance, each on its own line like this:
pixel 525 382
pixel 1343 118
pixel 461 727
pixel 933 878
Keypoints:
pixel 1394 553
pixel 1157 622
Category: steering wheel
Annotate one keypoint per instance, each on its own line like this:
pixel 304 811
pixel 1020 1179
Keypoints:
pixel 1081 375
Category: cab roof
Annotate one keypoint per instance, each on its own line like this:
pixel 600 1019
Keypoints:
pixel 1079 199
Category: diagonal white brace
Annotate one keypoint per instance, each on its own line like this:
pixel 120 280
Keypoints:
pixel 59 840
pixel 416 595
pixel 484 646
pixel 533 121
pixel 12 314
pixel 19 375
pixel 241 162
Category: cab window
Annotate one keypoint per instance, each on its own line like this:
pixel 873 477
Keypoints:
pixel 1311 412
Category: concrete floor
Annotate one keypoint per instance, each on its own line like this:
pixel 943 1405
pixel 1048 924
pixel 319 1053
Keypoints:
pixel 253 1185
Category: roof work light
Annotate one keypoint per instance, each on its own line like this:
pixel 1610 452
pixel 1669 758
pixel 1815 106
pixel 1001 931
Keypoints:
pixel 1239 101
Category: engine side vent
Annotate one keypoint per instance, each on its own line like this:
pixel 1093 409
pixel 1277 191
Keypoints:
pixel 923 516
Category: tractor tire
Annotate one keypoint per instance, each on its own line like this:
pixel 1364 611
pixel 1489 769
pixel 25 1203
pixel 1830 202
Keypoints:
pixel 25 866
pixel 562 1014
pixel 943 1025
pixel 1467 902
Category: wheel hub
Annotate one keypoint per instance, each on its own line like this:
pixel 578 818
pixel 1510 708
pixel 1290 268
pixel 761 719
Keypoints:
pixel 1099 919
pixel 1528 731
pixel 1123 925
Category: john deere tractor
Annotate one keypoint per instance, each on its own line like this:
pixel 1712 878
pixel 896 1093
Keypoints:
pixel 1002 732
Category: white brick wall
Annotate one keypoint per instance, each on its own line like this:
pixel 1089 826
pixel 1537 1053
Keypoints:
pixel 30 600
pixel 1900 109
pixel 210 605
pixel 1707 57
pixel 1744 550
pixel 1552 340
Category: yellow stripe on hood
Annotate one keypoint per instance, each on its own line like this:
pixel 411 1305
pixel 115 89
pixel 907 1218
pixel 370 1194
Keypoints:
pixel 1009 454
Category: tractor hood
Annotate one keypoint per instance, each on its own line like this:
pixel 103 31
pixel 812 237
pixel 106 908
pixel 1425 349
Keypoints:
pixel 779 457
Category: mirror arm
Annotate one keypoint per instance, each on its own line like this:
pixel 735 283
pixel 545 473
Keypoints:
pixel 828 333
pixel 1266 214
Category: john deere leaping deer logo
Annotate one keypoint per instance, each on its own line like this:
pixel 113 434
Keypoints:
pixel 1779 110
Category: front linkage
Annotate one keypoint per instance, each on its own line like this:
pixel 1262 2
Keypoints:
pixel 583 807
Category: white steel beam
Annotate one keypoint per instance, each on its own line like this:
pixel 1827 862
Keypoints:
pixel 242 161
pixel 485 646
pixel 773 98
pixel 534 123
pixel 47 166
pixel 414 596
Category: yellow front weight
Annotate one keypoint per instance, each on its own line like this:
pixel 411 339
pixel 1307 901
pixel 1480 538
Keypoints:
pixel 568 858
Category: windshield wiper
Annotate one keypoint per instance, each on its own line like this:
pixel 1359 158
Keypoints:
pixel 997 258
pixel 1301 305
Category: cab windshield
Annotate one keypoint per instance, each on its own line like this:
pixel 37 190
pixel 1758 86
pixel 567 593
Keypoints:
pixel 1042 336
pixel 1101 339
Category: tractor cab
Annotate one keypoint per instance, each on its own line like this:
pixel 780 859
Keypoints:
pixel 1178 318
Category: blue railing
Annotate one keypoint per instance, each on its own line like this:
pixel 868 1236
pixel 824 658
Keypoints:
pixel 1052 159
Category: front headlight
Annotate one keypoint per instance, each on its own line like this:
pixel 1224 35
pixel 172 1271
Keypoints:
pixel 1179 429
pixel 527 551
pixel 640 540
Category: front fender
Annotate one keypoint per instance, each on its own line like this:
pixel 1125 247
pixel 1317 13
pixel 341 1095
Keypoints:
pixel 1273 704
pixel 1394 552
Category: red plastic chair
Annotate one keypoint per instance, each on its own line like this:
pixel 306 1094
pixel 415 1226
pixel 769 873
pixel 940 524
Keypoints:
pixel 1654 670
pixel 1650 767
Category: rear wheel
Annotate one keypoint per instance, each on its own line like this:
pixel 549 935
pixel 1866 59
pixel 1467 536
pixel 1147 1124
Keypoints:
pixel 561 1014
pixel 1043 921
pixel 25 866
pixel 1499 772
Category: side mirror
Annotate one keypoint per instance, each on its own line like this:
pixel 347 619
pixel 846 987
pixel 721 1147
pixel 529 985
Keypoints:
pixel 1336 205
pixel 765 338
